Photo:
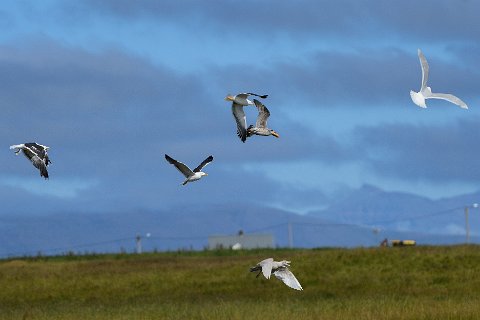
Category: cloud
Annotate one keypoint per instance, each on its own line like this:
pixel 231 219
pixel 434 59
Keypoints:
pixel 99 105
pixel 370 78
pixel 435 153
pixel 347 19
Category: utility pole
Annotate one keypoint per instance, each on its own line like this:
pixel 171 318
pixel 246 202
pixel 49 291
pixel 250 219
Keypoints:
pixel 138 241
pixel 467 227
pixel 290 235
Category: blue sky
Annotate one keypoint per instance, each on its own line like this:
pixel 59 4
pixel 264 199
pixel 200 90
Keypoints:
pixel 111 86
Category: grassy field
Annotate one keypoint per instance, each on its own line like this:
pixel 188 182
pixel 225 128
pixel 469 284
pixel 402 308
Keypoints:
pixel 374 283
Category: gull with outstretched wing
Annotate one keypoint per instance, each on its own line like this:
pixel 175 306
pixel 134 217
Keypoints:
pixel 279 269
pixel 190 175
pixel 426 92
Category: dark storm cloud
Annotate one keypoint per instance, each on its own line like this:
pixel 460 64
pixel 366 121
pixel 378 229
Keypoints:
pixel 102 105
pixel 112 103
pixel 377 19
pixel 109 117
pixel 367 78
pixel 433 153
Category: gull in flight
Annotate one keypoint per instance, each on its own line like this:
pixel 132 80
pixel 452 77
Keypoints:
pixel 426 92
pixel 260 128
pixel 36 153
pixel 190 175
pixel 279 270
pixel 238 102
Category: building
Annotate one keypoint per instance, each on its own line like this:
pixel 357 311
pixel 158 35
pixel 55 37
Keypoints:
pixel 241 241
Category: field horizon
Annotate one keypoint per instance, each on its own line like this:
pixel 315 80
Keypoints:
pixel 423 282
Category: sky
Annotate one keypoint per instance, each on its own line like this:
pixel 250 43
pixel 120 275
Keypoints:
pixel 111 86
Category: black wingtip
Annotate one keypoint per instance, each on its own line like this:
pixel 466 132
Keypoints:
pixel 264 96
pixel 44 174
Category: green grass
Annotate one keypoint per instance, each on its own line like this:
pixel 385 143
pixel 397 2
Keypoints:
pixel 375 283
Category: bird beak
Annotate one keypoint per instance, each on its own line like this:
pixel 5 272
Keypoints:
pixel 229 98
pixel 275 134
pixel 206 174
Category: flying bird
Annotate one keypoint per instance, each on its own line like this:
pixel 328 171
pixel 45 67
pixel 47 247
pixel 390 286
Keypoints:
pixel 238 102
pixel 426 92
pixel 37 154
pixel 190 175
pixel 279 270
pixel 261 125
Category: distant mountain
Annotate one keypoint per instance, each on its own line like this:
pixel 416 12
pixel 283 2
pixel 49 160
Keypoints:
pixel 400 211
pixel 189 228
pixel 369 205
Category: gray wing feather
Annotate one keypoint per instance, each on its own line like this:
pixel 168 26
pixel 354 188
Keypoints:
pixel 180 166
pixel 241 120
pixel 263 114
pixel 40 165
pixel 448 97
pixel 425 69
pixel 267 266
pixel 243 95
pixel 288 278
pixel 37 161
pixel 203 164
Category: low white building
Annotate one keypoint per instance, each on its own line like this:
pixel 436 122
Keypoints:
pixel 241 241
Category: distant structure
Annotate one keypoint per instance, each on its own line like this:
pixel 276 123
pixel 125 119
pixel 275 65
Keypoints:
pixel 240 241
pixel 384 243
pixel 403 243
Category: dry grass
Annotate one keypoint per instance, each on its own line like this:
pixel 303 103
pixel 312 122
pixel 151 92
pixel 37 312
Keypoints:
pixel 377 283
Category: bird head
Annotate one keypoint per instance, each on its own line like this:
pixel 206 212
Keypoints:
pixel 274 133
pixel 229 97
pixel 255 268
pixel 203 173
pixel 285 263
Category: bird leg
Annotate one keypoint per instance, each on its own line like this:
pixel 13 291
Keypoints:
pixel 258 274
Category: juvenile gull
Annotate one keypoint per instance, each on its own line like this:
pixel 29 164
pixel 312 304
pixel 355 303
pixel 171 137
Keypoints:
pixel 279 270
pixel 37 154
pixel 260 128
pixel 190 175
pixel 426 92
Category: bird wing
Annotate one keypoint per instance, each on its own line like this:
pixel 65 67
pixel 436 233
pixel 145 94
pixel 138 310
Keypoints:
pixel 263 114
pixel 264 96
pixel 246 94
pixel 29 152
pixel 288 278
pixel 46 159
pixel 203 164
pixel 448 97
pixel 39 150
pixel 37 161
pixel 242 95
pixel 425 68
pixel 180 166
pixel 241 119
pixel 267 266
pixel 40 165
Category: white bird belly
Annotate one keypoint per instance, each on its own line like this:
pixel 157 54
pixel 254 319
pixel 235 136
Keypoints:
pixel 196 176
pixel 418 99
